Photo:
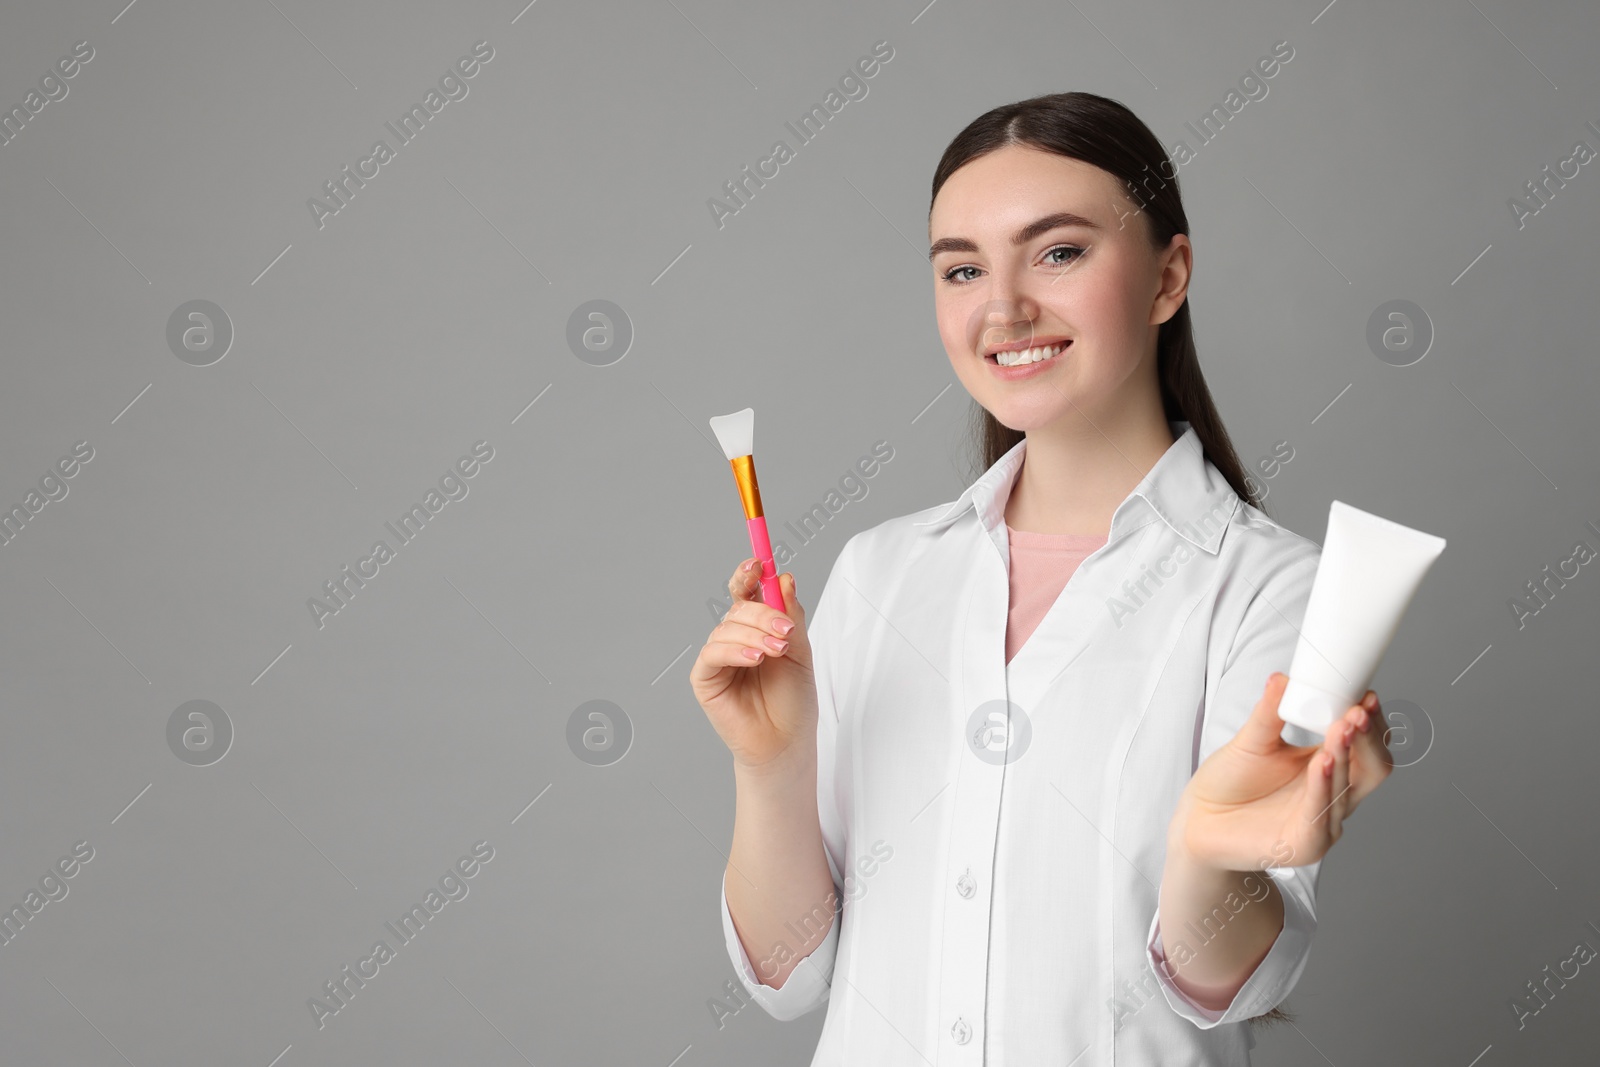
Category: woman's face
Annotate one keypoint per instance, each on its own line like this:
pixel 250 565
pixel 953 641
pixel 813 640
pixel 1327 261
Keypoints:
pixel 1092 283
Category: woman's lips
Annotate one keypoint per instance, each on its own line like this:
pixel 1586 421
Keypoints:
pixel 1026 370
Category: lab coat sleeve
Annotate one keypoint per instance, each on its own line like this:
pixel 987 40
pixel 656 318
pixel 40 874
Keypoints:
pixel 809 984
pixel 1264 643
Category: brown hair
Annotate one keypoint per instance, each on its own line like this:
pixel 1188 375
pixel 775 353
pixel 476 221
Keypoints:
pixel 1104 133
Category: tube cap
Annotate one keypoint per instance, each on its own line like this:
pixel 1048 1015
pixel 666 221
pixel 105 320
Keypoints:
pixel 1309 707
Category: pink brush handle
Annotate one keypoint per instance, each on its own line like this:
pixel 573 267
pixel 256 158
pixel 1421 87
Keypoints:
pixel 771 592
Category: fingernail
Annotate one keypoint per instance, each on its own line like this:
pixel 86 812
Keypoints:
pixel 1349 736
pixel 750 564
pixel 783 626
pixel 753 653
pixel 775 644
pixel 1365 722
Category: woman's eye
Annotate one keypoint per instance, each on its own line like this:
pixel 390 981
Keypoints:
pixel 1077 254
pixel 950 274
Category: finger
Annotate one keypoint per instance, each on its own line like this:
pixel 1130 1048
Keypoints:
pixel 1378 727
pixel 791 597
pixel 1262 731
pixel 717 656
pixel 768 640
pixel 1370 759
pixel 1339 809
pixel 732 654
pixel 754 611
pixel 746 581
pixel 1319 797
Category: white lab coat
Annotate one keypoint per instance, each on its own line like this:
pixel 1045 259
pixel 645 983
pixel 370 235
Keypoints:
pixel 999 881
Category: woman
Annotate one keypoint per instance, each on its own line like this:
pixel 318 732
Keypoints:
pixel 1015 747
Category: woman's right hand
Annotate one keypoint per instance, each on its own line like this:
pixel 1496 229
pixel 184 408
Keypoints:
pixel 761 700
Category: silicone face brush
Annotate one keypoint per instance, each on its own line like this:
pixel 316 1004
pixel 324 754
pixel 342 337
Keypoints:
pixel 736 434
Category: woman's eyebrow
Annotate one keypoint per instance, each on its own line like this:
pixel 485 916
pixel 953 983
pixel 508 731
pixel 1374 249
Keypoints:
pixel 1021 237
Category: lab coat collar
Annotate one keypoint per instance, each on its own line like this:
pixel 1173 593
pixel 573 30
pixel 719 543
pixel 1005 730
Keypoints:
pixel 1183 489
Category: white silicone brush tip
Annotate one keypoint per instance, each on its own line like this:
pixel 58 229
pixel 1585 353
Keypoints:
pixel 736 433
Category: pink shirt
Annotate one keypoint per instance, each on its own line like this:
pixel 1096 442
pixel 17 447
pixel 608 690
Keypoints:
pixel 1041 563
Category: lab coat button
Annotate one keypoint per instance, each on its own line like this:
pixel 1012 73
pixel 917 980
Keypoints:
pixel 965 885
pixel 961 1031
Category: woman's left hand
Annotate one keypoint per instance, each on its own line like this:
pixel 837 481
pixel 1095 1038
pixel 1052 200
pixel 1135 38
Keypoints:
pixel 1258 793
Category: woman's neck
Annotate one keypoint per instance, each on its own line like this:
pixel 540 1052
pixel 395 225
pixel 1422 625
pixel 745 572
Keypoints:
pixel 1075 476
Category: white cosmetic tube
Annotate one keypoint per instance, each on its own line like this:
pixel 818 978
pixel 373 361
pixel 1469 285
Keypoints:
pixel 1369 570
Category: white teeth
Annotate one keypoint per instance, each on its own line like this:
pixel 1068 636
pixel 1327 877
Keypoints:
pixel 1028 355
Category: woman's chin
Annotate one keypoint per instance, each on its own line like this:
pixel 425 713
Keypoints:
pixel 1024 417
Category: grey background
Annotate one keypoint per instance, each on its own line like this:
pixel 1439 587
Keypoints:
pixel 433 711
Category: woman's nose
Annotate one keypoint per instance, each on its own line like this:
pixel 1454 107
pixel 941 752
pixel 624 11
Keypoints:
pixel 1002 319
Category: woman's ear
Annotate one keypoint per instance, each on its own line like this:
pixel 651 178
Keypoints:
pixel 1175 265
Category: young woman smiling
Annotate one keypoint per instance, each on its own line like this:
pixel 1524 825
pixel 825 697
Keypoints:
pixel 1055 699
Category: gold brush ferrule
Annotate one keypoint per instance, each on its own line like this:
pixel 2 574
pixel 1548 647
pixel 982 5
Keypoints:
pixel 744 472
